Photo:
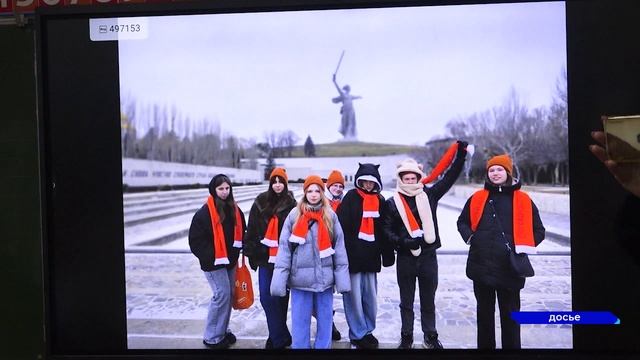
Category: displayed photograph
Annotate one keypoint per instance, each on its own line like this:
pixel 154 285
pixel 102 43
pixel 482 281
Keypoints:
pixel 347 179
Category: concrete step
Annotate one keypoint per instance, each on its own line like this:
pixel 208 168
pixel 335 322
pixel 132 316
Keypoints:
pixel 153 230
pixel 160 197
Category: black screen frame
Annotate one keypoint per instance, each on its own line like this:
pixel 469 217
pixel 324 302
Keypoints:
pixel 85 307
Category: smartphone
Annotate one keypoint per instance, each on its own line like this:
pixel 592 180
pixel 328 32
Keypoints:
pixel 622 139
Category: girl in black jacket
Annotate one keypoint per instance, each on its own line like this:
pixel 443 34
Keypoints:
pixel 500 207
pixel 215 238
pixel 267 215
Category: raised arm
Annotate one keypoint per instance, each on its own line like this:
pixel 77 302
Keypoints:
pixel 337 86
pixel 443 185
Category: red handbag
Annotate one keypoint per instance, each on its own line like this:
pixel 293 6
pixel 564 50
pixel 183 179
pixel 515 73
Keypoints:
pixel 243 294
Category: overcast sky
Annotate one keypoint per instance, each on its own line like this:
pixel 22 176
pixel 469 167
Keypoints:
pixel 416 68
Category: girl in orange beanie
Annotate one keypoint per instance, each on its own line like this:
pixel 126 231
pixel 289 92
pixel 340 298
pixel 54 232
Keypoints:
pixel 495 221
pixel 266 218
pixel 335 189
pixel 311 232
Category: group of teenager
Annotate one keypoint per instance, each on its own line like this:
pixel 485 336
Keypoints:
pixel 330 241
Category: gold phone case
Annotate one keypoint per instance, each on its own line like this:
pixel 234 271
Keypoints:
pixel 622 138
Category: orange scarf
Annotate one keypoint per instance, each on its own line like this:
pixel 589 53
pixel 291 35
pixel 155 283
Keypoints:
pixel 443 164
pixel 522 218
pixel 370 210
pixel 271 238
pixel 301 228
pixel 219 243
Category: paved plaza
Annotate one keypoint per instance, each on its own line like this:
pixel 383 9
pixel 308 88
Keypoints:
pixel 167 297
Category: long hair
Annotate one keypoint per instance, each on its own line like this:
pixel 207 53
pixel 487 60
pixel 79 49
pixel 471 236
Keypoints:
pixel 303 205
pixel 275 200
pixel 223 205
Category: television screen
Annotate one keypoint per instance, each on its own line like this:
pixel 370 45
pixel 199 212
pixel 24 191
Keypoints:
pixel 222 93
pixel 142 105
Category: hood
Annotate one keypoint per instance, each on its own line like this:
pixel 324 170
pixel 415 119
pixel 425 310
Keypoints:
pixel 369 172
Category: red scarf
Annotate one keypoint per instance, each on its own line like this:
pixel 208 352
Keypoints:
pixel 413 224
pixel 370 207
pixel 334 204
pixel 271 238
pixel 301 228
pixel 522 218
pixel 219 243
pixel 443 164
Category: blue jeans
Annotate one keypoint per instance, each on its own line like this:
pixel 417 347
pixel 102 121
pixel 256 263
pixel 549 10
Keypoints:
pixel 360 304
pixel 275 309
pixel 302 305
pixel 221 282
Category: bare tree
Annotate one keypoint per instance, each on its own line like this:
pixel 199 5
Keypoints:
pixel 272 139
pixel 288 140
pixel 559 132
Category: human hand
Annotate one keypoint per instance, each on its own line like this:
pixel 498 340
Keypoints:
pixel 411 243
pixel 627 174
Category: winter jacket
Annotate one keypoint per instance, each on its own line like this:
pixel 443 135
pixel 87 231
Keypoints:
pixel 201 238
pixel 257 252
pixel 298 266
pixel 488 260
pixel 393 226
pixel 364 256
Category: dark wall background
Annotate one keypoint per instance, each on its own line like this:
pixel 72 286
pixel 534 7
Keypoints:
pixel 603 72
pixel 21 295
pixel 603 75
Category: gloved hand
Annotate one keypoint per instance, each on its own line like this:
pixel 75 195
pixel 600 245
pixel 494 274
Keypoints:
pixel 411 243
pixel 462 144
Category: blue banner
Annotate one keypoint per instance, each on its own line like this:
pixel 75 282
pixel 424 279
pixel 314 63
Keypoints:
pixel 565 317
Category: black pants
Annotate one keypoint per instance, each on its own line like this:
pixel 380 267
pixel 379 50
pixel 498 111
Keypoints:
pixel 508 301
pixel 425 269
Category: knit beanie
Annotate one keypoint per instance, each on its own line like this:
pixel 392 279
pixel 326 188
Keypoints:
pixel 313 179
pixel 335 177
pixel 279 172
pixel 503 160
pixel 410 165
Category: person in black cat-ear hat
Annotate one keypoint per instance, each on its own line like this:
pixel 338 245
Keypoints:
pixel 360 214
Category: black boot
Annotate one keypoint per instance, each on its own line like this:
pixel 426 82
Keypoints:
pixel 335 334
pixel 406 341
pixel 431 342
